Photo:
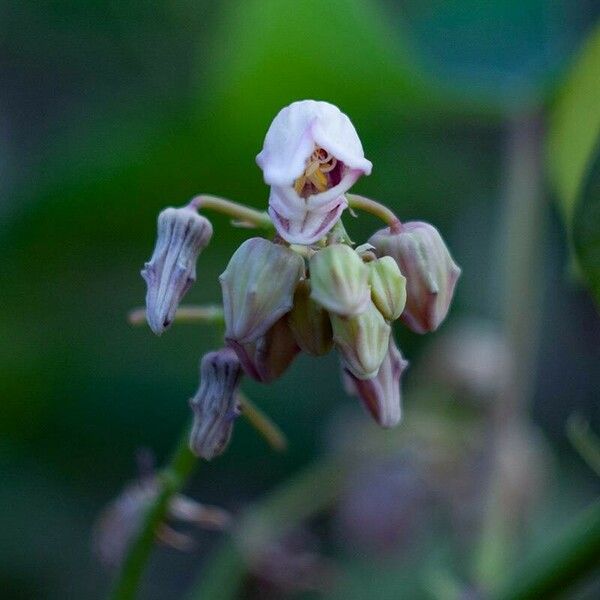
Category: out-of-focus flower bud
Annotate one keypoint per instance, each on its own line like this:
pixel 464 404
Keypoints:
pixel 215 404
pixel 309 322
pixel 120 521
pixel 362 341
pixel 182 234
pixel 381 394
pixel 270 355
pixel 258 287
pixel 388 287
pixel 339 280
pixel 430 272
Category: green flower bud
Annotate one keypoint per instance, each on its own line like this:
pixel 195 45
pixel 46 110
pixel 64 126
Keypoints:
pixel 267 358
pixel 258 287
pixel 388 287
pixel 362 341
pixel 381 395
pixel 310 322
pixel 339 280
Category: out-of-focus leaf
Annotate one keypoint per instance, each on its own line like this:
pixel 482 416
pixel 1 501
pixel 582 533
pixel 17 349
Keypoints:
pixel 586 226
pixel 575 125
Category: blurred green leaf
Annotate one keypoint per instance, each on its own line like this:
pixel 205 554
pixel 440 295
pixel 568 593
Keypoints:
pixel 572 145
pixel 575 125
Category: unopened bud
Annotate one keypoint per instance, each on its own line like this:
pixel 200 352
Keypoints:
pixel 362 341
pixel 338 279
pixel 215 404
pixel 430 272
pixel 381 394
pixel 388 287
pixel 182 234
pixel 310 322
pixel 267 358
pixel 258 287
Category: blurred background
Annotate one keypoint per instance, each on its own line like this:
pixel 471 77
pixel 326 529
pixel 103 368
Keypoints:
pixel 110 111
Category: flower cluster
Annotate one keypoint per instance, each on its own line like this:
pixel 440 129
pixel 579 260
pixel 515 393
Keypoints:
pixel 307 289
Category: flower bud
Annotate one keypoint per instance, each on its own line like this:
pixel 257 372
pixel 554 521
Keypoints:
pixel 182 234
pixel 309 322
pixel 430 272
pixel 338 279
pixel 215 404
pixel 388 287
pixel 267 358
pixel 362 341
pixel 381 394
pixel 258 286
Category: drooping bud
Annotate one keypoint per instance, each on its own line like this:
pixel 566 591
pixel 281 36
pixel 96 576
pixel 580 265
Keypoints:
pixel 310 322
pixel 267 358
pixel 215 404
pixel 258 287
pixel 381 394
pixel 339 280
pixel 362 341
pixel 182 234
pixel 388 287
pixel 430 272
pixel 120 521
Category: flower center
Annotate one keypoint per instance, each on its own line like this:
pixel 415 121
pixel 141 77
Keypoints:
pixel 322 172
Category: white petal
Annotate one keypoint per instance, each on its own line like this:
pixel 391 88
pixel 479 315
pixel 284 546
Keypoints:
pixel 293 134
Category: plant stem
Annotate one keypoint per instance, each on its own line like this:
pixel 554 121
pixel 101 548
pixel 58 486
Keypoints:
pixel 170 481
pixel 521 243
pixel 244 214
pixel 584 441
pixel 375 208
pixel 185 314
pixel 572 556
pixel 269 430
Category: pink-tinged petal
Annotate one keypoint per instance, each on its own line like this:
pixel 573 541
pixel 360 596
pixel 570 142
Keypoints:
pixel 296 130
pixel 306 227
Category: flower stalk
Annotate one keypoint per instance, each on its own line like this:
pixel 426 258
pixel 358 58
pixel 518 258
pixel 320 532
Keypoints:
pixel 376 209
pixel 240 213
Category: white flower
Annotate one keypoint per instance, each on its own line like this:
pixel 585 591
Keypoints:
pixel 311 156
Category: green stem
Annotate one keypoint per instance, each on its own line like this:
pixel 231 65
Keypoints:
pixel 375 208
pixel 170 481
pixel 185 314
pixel 239 212
pixel 570 558
pixel 584 441
pixel 269 430
pixel 521 271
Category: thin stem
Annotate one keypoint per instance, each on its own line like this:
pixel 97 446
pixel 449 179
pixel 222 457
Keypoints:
pixel 185 314
pixel 269 430
pixel 571 557
pixel 375 208
pixel 170 481
pixel 522 273
pixel 240 212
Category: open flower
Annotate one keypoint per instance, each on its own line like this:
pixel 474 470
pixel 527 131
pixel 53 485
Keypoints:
pixel 311 156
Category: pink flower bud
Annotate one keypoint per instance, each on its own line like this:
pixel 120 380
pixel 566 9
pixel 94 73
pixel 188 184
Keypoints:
pixel 215 404
pixel 182 234
pixel 258 288
pixel 430 272
pixel 381 394
pixel 267 358
pixel 311 156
